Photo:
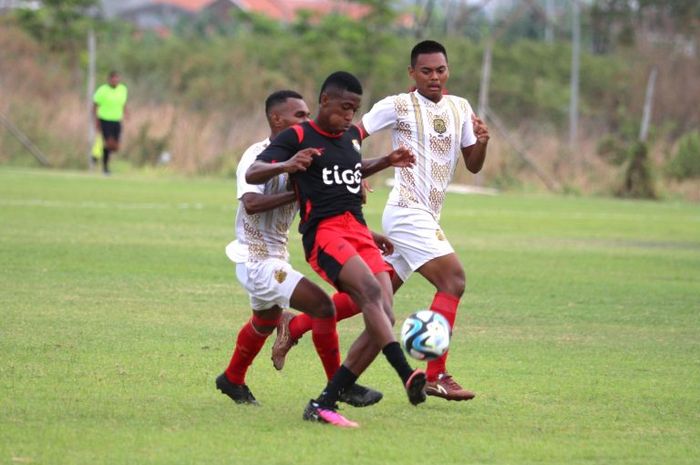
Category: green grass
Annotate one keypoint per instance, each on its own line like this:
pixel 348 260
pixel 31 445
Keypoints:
pixel 580 332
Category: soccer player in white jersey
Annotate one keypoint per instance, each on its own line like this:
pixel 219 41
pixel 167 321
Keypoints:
pixel 438 128
pixel 265 213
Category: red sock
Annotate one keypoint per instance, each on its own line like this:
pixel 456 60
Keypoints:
pixel 344 308
pixel 325 338
pixel 299 325
pixel 248 345
pixel 446 305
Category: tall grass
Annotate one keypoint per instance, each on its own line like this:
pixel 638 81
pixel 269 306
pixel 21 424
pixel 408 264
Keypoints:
pixel 200 98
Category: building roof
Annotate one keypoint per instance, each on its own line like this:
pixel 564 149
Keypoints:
pixel 149 14
pixel 192 6
pixel 286 10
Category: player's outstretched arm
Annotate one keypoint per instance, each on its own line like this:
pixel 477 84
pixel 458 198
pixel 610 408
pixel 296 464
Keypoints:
pixel 475 155
pixel 258 203
pixel 261 171
pixel 399 158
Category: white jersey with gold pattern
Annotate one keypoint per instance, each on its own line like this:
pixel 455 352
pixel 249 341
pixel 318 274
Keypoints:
pixel 261 235
pixel 435 133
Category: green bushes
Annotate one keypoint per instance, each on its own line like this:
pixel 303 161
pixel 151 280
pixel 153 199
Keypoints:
pixel 529 79
pixel 685 163
pixel 638 182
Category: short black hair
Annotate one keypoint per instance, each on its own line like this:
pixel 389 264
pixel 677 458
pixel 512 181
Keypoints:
pixel 113 73
pixel 426 47
pixel 340 81
pixel 278 97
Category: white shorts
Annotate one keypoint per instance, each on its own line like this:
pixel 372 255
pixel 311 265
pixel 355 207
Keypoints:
pixel 416 236
pixel 270 282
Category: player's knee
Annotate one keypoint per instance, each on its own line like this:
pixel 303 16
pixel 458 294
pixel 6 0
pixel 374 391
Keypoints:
pixel 266 330
pixel 453 284
pixel 371 291
pixel 460 285
pixel 326 309
pixel 265 322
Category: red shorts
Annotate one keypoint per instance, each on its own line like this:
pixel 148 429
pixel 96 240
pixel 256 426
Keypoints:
pixel 339 238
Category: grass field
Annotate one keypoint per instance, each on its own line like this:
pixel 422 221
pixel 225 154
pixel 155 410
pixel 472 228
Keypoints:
pixel 580 332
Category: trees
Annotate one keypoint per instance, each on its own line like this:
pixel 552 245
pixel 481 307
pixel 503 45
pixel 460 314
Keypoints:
pixel 622 22
pixel 59 24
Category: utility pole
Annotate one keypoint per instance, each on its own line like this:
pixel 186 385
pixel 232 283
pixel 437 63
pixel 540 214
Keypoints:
pixel 549 26
pixel 91 45
pixel 484 90
pixel 575 60
pixel 648 101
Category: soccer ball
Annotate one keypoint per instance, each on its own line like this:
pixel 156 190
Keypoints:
pixel 425 335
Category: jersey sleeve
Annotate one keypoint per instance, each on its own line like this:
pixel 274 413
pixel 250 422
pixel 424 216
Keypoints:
pixel 357 135
pixel 381 116
pixel 283 147
pixel 243 187
pixel 468 136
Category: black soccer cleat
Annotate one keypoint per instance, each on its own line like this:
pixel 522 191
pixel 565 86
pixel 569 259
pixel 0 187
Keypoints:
pixel 360 396
pixel 239 393
pixel 415 387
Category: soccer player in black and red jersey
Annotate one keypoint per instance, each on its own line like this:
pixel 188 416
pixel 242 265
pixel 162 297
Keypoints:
pixel 260 253
pixel 323 159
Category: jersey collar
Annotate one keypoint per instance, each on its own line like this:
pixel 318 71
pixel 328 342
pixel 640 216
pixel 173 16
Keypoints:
pixel 429 102
pixel 316 128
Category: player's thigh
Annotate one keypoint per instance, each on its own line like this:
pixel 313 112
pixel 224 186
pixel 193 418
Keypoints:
pixel 357 279
pixel 329 254
pixel 417 239
pixel 269 283
pixel 308 297
pixel 446 273
pixel 334 244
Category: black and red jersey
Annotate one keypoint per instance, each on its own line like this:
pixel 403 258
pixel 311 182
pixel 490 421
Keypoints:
pixel 332 184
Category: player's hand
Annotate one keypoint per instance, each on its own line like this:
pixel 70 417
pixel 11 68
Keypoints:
pixel 383 242
pixel 301 160
pixel 365 188
pixel 481 131
pixel 402 158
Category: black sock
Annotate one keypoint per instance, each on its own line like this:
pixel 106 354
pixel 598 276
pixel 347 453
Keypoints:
pixel 105 160
pixel 340 380
pixel 392 351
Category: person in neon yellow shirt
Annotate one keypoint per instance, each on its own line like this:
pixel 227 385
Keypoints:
pixel 109 110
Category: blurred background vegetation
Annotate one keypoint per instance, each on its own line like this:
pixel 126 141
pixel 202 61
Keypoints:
pixel 197 86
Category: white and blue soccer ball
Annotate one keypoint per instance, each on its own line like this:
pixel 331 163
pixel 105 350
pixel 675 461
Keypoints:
pixel 425 335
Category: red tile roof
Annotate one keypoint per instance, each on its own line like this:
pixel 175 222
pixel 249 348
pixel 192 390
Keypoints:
pixel 270 8
pixel 286 10
pixel 189 5
pixel 281 10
